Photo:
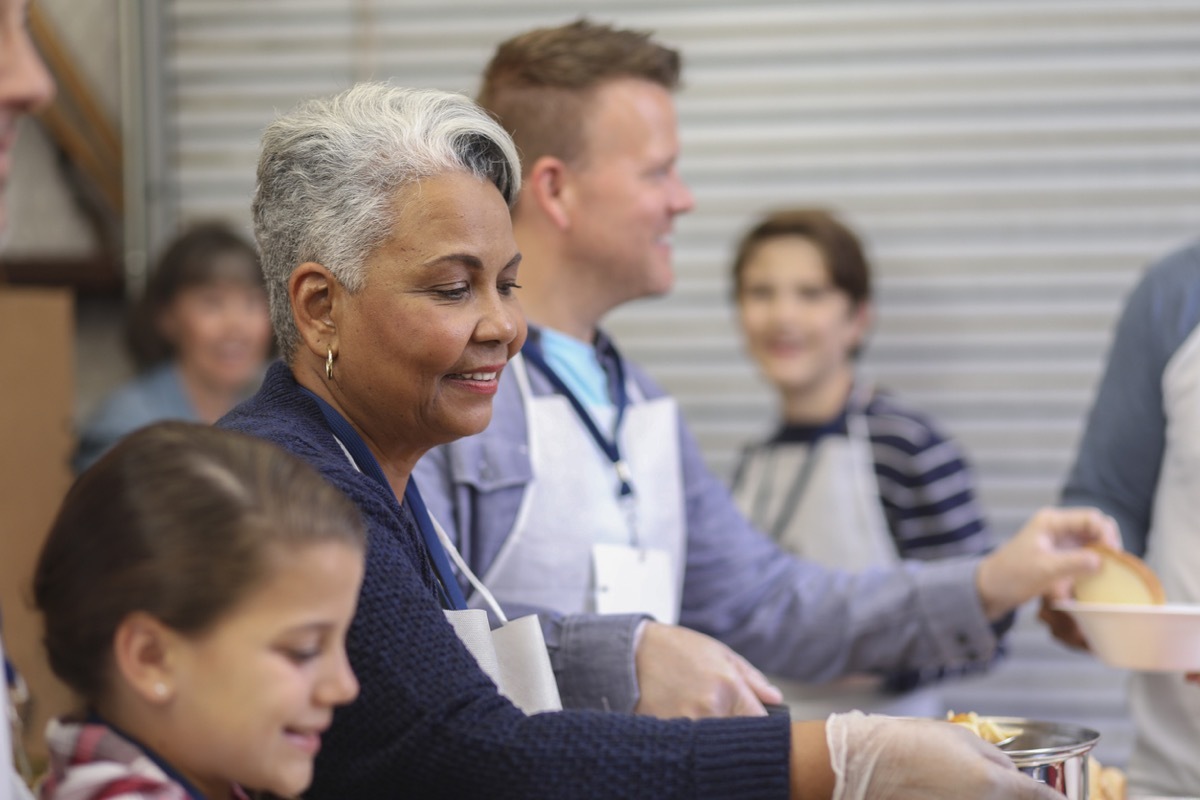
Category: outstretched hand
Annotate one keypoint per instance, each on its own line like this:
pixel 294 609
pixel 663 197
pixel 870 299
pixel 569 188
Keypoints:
pixel 1044 558
pixel 682 673
pixel 1061 624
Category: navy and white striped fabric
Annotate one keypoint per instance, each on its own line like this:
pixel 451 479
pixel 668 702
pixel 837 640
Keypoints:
pixel 925 483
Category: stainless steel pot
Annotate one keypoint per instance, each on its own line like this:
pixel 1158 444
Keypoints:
pixel 1053 753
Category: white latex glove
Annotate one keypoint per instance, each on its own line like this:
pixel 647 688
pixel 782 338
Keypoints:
pixel 682 673
pixel 886 758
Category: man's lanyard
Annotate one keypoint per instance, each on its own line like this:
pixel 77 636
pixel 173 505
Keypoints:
pixel 532 351
pixel 448 588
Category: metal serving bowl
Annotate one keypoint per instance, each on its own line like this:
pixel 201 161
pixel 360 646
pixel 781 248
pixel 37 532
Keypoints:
pixel 1053 753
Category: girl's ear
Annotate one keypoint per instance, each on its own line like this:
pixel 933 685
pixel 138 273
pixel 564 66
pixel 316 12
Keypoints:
pixel 144 656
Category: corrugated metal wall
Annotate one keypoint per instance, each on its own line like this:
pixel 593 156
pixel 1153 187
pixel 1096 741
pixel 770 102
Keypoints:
pixel 1012 164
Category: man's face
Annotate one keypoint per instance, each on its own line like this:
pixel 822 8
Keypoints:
pixel 626 191
pixel 24 86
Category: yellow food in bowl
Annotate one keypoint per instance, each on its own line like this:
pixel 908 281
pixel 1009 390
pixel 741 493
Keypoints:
pixel 1106 783
pixel 983 727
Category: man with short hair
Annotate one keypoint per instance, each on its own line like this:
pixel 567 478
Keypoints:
pixel 587 500
pixel 25 86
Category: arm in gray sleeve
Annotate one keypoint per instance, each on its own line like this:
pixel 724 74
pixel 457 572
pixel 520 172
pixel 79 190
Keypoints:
pixel 474 488
pixel 794 618
pixel 1120 455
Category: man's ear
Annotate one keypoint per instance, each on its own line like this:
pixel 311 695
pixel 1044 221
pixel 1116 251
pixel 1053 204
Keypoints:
pixel 548 187
pixel 145 655
pixel 311 289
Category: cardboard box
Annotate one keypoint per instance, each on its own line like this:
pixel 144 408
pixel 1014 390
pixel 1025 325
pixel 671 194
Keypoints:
pixel 36 439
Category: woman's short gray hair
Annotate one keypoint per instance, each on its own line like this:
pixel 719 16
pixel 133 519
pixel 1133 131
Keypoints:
pixel 330 169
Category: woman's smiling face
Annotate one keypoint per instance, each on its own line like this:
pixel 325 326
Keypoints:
pixel 421 346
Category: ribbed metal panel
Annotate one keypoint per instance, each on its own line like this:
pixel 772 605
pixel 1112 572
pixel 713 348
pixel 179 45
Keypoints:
pixel 1011 164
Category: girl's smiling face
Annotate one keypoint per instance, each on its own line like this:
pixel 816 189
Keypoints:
pixel 250 697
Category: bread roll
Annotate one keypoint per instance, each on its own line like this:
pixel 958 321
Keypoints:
pixel 1123 578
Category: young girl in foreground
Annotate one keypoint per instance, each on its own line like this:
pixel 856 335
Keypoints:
pixel 197 586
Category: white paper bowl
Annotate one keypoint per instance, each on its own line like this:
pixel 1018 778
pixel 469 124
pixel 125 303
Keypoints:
pixel 1162 638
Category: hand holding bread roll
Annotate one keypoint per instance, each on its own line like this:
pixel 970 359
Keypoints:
pixel 1123 578
pixel 1044 558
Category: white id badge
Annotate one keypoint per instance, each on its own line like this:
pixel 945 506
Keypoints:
pixel 634 580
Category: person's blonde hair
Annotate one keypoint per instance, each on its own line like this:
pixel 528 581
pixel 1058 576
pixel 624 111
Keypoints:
pixel 539 83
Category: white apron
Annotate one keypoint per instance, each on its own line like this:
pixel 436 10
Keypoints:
pixel 576 547
pixel 513 655
pixel 1167 710
pixel 822 504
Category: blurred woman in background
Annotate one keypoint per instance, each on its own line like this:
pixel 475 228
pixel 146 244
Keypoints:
pixel 851 478
pixel 200 336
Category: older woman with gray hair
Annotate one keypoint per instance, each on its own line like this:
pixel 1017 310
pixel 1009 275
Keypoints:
pixel 382 215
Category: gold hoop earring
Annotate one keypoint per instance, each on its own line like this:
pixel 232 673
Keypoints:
pixel 329 364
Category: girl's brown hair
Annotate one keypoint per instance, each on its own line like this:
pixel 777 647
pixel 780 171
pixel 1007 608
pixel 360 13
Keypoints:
pixel 178 520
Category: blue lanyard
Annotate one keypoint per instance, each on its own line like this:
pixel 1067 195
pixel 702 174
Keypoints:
pixel 611 447
pixel 452 596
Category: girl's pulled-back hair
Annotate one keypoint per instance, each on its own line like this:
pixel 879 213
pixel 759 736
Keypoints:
pixel 179 521
pixel 208 253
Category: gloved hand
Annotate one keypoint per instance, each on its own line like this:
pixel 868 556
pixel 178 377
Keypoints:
pixel 887 758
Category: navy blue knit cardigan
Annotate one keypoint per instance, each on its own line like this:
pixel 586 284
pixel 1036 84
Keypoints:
pixel 429 723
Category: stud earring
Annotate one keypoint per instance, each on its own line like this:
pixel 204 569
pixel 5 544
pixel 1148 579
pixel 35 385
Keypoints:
pixel 329 364
pixel 160 690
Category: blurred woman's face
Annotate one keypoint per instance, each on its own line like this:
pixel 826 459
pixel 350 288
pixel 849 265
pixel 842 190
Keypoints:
pixel 421 346
pixel 221 332
pixel 798 326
